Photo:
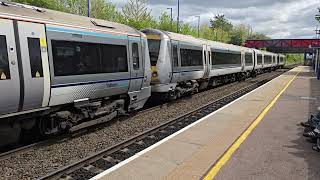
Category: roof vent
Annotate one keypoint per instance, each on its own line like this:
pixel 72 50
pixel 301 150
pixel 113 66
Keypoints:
pixel 101 23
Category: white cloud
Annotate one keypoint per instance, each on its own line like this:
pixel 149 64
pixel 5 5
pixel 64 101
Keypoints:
pixel 277 19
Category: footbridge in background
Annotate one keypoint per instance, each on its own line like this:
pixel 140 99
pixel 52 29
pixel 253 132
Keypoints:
pixel 285 45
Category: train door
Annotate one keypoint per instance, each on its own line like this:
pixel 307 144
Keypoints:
pixel 207 60
pixel 243 61
pixel 136 64
pixel 175 61
pixel 34 58
pixel 9 70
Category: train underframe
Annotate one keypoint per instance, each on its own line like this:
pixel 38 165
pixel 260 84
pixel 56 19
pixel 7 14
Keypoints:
pixel 190 87
pixel 61 119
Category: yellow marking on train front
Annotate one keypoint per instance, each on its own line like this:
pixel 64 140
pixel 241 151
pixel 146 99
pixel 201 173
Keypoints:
pixel 226 156
pixel 153 36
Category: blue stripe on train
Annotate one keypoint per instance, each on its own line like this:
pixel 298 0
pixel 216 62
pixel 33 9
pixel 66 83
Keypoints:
pixel 92 82
pixel 90 33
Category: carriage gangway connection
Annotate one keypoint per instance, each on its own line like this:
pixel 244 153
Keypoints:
pixel 255 137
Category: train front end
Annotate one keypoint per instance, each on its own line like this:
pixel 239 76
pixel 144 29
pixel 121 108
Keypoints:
pixel 161 66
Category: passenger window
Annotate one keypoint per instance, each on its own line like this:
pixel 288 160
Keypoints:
pixel 259 59
pixel 114 58
pixel 191 57
pixel 135 56
pixel 4 61
pixel 80 58
pixel 35 57
pixel 224 58
pixel 248 59
pixel 175 55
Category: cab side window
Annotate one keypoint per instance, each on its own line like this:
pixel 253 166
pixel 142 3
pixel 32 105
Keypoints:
pixel 4 60
pixel 135 56
pixel 175 55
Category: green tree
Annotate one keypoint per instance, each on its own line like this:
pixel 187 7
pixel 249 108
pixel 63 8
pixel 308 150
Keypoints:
pixel 165 23
pixel 137 14
pixel 221 28
pixel 79 7
pixel 102 9
pixel 239 34
pixel 206 32
pixel 48 4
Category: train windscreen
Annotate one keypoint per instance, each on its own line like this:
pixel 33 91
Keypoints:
pixel 154 49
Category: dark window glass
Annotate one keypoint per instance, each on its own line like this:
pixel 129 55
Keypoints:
pixel 135 56
pixel 154 49
pixel 191 57
pixel 219 58
pixel 248 59
pixel 35 57
pixel 259 59
pixel 78 58
pixel 175 55
pixel 75 58
pixel 114 58
pixel 267 59
pixel 4 61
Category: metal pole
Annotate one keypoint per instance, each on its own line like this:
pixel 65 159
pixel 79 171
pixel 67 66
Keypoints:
pixel 198 25
pixel 178 18
pixel 171 19
pixel 89 8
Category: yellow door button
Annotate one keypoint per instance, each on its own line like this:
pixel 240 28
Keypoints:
pixel 3 76
pixel 38 74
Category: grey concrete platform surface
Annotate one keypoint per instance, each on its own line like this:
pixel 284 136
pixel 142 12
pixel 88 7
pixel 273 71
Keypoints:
pixel 191 153
pixel 276 148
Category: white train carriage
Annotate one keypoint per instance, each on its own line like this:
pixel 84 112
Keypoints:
pixel 226 59
pixel 183 64
pixel 177 62
pixel 67 69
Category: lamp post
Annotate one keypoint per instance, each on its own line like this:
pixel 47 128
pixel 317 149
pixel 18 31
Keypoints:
pixel 89 8
pixel 171 18
pixel 198 25
pixel 178 18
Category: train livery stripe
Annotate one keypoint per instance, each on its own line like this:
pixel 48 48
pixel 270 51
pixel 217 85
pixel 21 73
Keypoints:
pixel 93 82
pixel 90 33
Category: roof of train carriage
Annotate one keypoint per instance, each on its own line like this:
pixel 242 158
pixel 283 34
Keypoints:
pixel 184 38
pixel 34 14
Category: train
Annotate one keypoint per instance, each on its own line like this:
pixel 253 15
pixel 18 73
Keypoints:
pixel 61 72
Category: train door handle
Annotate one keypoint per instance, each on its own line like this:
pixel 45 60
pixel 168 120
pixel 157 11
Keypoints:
pixel 13 62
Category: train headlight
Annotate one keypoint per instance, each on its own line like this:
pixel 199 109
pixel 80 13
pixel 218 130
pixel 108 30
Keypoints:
pixel 154 74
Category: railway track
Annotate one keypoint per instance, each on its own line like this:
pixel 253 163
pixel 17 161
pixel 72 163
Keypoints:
pixel 91 166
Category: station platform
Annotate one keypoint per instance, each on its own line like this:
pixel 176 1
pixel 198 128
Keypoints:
pixel 254 137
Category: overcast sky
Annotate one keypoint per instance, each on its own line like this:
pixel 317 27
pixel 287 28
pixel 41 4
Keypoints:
pixel 276 18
